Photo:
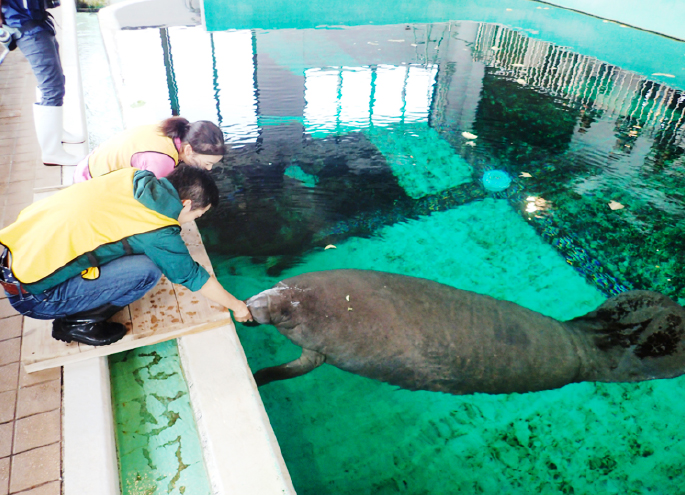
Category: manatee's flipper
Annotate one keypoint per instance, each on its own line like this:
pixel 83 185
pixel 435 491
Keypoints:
pixel 641 334
pixel 301 366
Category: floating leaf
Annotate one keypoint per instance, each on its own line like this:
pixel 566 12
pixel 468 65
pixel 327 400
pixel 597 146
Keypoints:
pixel 517 65
pixel 468 135
pixel 372 42
pixel 470 143
pixel 494 48
pixel 330 246
pixel 662 74
pixel 614 205
pixel 525 174
pixel 396 41
pixel 522 82
pixel 347 297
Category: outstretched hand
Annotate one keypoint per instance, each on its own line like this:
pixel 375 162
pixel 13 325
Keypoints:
pixel 242 313
pixel 214 291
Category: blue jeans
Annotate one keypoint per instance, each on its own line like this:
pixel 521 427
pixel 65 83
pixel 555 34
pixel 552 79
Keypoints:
pixel 121 282
pixel 42 51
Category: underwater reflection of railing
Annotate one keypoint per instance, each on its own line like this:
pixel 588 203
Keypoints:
pixel 583 79
pixel 170 75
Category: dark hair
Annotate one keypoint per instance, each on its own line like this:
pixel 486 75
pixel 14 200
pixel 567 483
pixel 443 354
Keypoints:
pixel 195 184
pixel 205 137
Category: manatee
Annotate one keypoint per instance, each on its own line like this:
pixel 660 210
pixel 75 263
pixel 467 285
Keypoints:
pixel 423 335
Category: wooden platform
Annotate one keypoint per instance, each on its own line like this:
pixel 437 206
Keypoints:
pixel 166 312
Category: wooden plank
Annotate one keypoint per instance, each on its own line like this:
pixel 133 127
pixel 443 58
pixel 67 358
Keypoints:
pixel 44 192
pixel 124 345
pixel 49 189
pixel 37 343
pixel 123 317
pixel 191 234
pixel 166 312
pixel 157 310
pixel 193 306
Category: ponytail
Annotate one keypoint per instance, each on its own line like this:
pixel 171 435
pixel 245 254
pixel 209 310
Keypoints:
pixel 175 127
pixel 205 137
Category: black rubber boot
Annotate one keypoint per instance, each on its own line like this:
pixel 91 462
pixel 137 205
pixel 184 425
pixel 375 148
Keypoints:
pixel 90 327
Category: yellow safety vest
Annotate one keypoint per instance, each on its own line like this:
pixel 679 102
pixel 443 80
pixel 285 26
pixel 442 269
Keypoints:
pixel 116 153
pixel 56 230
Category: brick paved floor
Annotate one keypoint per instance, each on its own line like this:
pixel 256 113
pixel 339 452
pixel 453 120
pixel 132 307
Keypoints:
pixel 30 405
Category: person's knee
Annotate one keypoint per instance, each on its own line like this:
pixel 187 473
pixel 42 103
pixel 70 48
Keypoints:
pixel 149 272
pixel 51 87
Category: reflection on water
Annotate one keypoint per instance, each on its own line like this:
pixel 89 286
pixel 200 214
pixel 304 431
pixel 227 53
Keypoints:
pixel 390 142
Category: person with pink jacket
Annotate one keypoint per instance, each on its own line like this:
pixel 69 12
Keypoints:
pixel 158 148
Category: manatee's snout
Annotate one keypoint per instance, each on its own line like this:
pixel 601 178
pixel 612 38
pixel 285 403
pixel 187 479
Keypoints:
pixel 259 307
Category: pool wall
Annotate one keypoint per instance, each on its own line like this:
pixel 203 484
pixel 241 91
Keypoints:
pixel 660 16
pixel 600 38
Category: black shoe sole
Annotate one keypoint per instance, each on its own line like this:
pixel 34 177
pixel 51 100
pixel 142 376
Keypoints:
pixel 69 338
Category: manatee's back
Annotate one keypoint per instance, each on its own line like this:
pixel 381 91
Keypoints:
pixel 419 334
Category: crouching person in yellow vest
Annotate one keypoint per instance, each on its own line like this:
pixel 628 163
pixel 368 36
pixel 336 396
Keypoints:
pixel 84 253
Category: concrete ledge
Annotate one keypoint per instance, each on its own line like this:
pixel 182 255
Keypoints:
pixel 74 106
pixel 89 458
pixel 241 451
pixel 136 14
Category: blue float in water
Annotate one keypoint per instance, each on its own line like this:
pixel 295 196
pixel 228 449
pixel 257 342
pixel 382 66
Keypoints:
pixel 496 180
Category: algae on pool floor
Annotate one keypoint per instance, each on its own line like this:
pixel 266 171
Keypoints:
pixel 341 433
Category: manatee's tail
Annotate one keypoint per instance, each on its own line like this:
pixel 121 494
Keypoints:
pixel 308 361
pixel 637 335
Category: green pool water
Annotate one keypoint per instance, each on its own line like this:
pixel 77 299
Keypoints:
pixel 341 433
pixel 376 138
pixel 158 445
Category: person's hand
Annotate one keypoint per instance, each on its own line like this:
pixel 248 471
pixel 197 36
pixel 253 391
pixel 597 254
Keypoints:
pixel 241 312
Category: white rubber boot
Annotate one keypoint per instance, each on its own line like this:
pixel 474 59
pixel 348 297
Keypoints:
pixel 48 122
pixel 69 138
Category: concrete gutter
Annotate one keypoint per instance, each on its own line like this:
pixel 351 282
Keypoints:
pixel 89 460
pixel 89 457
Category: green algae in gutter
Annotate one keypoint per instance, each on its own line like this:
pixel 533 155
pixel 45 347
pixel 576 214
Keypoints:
pixel 157 440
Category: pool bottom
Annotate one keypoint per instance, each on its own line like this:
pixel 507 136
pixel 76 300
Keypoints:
pixel 341 433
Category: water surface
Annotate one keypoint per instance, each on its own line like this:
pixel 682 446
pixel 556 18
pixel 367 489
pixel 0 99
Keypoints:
pixel 381 141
